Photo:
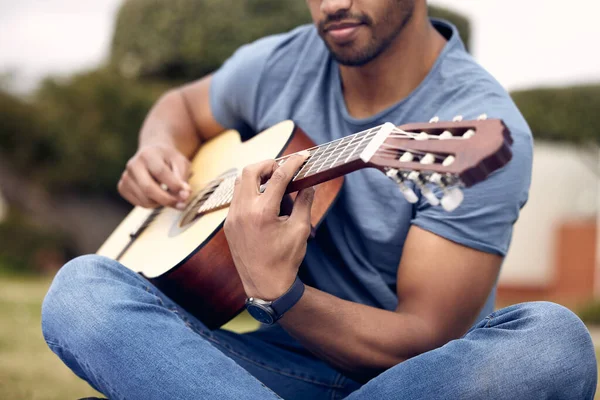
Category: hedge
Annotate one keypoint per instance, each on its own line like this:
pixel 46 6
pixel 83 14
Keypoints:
pixel 562 114
pixel 186 39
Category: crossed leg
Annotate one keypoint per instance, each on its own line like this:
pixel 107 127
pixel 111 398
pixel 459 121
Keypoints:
pixel 123 336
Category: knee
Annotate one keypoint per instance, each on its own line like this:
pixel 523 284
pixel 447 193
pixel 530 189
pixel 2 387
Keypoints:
pixel 551 319
pixel 564 346
pixel 74 299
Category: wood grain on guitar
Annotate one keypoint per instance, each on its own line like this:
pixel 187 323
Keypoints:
pixel 186 255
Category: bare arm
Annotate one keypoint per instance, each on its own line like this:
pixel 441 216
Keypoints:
pixel 174 128
pixel 441 287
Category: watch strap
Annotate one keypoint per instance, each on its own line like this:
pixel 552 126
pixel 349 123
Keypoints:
pixel 287 300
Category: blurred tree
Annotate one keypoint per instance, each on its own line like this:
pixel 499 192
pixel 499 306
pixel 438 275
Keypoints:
pixel 190 38
pixel 186 39
pixel 94 118
pixel 28 246
pixel 23 140
pixel 563 114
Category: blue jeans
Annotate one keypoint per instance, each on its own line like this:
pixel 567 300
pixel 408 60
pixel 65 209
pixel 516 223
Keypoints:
pixel 128 340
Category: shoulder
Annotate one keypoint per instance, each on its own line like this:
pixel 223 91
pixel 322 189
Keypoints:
pixel 280 50
pixel 258 71
pixel 468 89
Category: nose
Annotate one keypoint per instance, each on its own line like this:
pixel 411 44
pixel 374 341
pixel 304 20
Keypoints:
pixel 331 7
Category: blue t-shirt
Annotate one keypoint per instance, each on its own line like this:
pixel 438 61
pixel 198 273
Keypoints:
pixel 357 250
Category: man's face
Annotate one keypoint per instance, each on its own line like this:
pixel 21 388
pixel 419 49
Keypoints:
pixel 357 31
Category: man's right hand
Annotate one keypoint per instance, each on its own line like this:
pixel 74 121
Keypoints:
pixel 156 176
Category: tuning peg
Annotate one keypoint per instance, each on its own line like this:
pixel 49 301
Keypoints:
pixel 406 191
pixel 469 134
pixel 407 157
pixel 428 159
pixel 434 120
pixel 452 199
pixel 430 196
pixel 458 118
pixel 446 135
pixel 448 161
pixel 421 136
pixel 426 191
pixel 482 117
pixel 436 179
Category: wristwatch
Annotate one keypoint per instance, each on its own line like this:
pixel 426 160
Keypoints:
pixel 268 312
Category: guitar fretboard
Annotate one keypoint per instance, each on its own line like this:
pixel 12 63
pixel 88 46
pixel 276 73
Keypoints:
pixel 336 153
pixel 218 193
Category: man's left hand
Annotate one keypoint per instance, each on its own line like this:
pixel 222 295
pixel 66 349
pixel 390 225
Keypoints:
pixel 267 248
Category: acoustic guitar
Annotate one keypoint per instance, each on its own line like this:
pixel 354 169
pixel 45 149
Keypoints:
pixel 185 253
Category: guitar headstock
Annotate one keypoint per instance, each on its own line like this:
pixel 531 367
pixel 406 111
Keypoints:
pixel 440 154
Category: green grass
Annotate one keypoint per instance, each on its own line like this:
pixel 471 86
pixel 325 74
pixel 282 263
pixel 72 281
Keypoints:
pixel 28 369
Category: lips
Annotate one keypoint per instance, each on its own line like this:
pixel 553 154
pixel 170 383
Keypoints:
pixel 341 25
pixel 342 32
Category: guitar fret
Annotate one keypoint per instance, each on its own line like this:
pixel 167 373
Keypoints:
pixel 333 152
pixel 362 140
pixel 323 156
pixel 348 147
pixel 317 160
pixel 336 152
pixel 306 162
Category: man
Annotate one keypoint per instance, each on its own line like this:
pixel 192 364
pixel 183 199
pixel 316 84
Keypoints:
pixel 394 300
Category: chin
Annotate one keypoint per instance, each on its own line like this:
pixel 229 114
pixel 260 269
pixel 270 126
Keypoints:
pixel 353 54
pixel 352 59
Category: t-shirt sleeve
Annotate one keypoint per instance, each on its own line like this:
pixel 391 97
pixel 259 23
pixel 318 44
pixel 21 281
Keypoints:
pixel 234 87
pixel 485 219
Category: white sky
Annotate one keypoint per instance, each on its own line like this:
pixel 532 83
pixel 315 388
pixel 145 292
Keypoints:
pixel 523 43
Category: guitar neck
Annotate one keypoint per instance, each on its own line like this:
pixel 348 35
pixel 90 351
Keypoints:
pixel 334 159
pixel 325 162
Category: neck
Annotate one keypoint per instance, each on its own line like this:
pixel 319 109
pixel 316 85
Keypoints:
pixel 396 72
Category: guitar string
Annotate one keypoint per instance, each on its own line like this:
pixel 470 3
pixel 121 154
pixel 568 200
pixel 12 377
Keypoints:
pixel 338 153
pixel 319 165
pixel 366 134
pixel 396 133
pixel 354 135
pixel 392 150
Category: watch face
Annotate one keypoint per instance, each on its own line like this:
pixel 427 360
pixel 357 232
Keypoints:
pixel 260 314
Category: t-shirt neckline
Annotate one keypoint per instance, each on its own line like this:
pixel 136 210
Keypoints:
pixel 453 41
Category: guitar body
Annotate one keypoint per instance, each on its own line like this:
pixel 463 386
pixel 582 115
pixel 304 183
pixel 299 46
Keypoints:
pixel 191 262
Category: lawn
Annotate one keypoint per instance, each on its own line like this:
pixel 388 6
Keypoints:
pixel 28 369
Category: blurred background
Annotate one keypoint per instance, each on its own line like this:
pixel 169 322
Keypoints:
pixel 77 79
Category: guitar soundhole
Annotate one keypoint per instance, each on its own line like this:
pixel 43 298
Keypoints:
pixel 214 196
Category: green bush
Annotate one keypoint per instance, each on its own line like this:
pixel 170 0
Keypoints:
pixel 24 141
pixel 30 248
pixel 190 38
pixel 94 119
pixel 187 39
pixel 569 113
pixel 590 313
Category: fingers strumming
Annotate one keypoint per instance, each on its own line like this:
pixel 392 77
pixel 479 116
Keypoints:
pixel 163 173
pixel 151 190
